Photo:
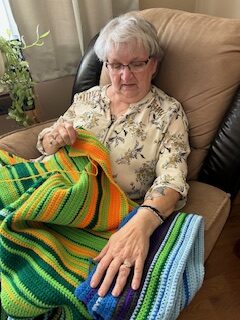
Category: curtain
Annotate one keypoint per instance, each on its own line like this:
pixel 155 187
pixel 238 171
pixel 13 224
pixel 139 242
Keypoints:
pixel 72 23
pixel 7 22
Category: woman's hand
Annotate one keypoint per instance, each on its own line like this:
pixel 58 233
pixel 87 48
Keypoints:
pixel 63 134
pixel 126 248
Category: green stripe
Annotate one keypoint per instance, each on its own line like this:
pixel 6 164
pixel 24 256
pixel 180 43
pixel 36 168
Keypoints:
pixel 100 192
pixel 38 296
pixel 31 278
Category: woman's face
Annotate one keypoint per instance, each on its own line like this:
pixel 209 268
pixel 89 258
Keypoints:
pixel 130 85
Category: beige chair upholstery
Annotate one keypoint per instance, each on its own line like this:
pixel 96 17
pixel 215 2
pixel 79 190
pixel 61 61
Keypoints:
pixel 23 141
pixel 201 68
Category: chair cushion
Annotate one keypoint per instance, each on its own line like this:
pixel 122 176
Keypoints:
pixel 200 68
pixel 214 205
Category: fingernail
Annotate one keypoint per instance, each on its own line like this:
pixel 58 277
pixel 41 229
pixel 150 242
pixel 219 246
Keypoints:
pixel 92 284
pixel 134 287
pixel 100 293
pixel 115 293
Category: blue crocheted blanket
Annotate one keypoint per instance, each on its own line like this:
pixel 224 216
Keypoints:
pixel 172 275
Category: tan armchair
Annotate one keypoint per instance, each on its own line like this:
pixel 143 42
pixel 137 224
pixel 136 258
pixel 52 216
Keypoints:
pixel 201 68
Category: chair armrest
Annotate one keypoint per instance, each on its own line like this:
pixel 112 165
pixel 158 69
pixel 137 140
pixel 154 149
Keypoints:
pixel 22 142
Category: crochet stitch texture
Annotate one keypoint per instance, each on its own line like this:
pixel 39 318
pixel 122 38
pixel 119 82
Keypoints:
pixel 56 216
pixel 172 275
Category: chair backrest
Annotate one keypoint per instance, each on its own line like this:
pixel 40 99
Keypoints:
pixel 201 68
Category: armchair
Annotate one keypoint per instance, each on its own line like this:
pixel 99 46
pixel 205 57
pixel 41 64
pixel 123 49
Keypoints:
pixel 201 68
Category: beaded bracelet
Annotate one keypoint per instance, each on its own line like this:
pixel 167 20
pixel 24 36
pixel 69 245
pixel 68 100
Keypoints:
pixel 154 211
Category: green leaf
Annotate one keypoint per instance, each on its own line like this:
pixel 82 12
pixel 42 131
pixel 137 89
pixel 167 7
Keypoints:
pixel 17 78
pixel 15 43
pixel 44 35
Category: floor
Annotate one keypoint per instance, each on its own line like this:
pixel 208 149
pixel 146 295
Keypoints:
pixel 219 297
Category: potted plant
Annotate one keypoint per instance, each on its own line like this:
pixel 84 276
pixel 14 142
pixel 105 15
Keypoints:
pixel 16 78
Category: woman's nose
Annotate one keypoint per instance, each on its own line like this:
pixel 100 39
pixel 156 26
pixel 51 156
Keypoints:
pixel 126 72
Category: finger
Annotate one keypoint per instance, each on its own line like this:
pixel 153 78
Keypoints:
pixel 63 137
pixel 100 271
pixel 137 276
pixel 59 141
pixel 71 132
pixel 101 254
pixel 121 280
pixel 112 270
pixel 55 136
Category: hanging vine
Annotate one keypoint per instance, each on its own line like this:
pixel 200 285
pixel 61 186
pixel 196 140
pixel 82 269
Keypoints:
pixel 17 80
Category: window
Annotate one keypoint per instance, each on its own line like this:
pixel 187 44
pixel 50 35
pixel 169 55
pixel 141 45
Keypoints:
pixel 9 31
pixel 7 23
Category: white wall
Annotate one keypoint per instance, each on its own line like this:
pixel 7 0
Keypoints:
pixel 53 97
pixel 221 8
pixel 123 6
pixel 187 5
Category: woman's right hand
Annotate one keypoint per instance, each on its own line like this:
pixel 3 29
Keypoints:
pixel 63 134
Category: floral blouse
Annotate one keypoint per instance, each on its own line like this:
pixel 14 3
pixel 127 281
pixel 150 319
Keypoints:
pixel 148 144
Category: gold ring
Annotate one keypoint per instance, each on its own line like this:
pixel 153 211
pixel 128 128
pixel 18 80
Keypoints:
pixel 127 264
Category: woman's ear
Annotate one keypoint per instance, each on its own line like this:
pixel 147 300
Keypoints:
pixel 155 66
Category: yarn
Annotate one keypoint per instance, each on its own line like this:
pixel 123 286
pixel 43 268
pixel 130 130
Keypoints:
pixel 58 215
pixel 54 217
pixel 173 273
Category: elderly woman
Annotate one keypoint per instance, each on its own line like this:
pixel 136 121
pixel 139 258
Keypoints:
pixel 146 133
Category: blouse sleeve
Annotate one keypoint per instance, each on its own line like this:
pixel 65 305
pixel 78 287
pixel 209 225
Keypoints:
pixel 171 167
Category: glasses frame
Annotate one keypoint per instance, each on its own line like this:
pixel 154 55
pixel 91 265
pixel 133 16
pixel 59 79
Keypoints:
pixel 122 66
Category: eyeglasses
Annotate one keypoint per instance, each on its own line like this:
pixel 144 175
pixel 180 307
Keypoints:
pixel 135 66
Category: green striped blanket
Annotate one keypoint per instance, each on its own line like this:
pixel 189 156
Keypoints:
pixel 55 217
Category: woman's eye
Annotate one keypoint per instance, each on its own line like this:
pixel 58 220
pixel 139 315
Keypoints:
pixel 137 64
pixel 116 66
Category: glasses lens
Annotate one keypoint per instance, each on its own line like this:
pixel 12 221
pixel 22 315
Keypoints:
pixel 135 66
pixel 116 66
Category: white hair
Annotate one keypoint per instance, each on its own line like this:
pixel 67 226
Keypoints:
pixel 125 28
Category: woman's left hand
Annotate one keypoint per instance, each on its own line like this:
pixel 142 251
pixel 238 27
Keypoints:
pixel 126 249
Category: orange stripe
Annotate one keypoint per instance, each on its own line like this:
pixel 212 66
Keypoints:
pixel 69 166
pixel 114 207
pixel 52 205
pixel 84 147
pixel 41 236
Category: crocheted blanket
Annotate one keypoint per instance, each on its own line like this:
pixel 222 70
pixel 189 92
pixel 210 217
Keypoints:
pixel 57 215
pixel 173 273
